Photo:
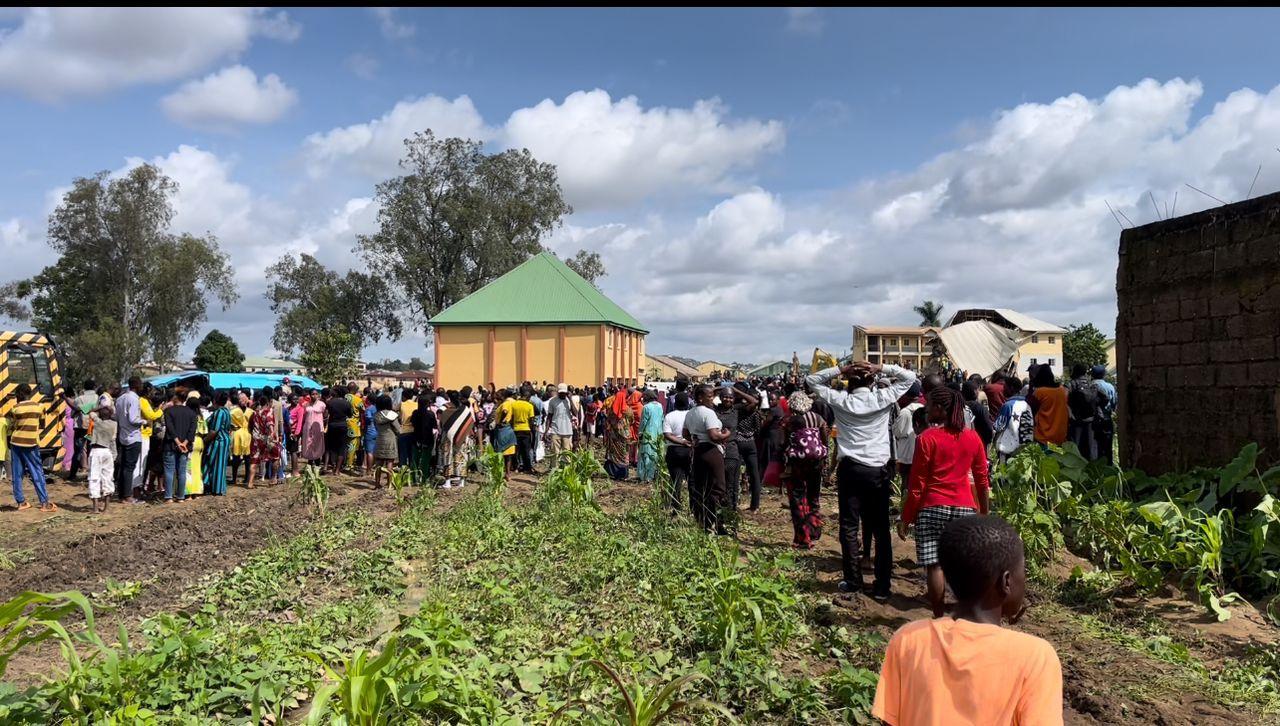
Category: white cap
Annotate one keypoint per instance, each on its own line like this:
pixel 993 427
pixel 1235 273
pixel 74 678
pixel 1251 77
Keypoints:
pixel 562 388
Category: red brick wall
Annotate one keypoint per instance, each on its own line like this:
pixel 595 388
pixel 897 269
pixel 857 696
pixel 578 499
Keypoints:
pixel 1196 337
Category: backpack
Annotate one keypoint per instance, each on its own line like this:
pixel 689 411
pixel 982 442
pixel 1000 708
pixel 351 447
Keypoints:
pixel 807 443
pixel 1081 401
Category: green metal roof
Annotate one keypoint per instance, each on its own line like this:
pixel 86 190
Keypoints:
pixel 541 291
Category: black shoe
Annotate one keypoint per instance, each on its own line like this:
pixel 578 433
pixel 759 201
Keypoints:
pixel 852 588
pixel 880 595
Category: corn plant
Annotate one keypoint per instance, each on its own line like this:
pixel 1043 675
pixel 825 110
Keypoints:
pixel 571 480
pixel 398 480
pixel 495 470
pixel 639 705
pixel 31 617
pixel 367 690
pixel 740 605
pixel 312 489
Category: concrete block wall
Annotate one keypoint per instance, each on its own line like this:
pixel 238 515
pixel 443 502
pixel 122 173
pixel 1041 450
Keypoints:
pixel 1196 337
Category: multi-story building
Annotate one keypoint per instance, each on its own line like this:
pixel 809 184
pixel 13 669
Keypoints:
pixel 908 347
pixel 1039 342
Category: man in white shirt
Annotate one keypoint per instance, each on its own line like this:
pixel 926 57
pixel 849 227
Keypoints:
pixel 560 418
pixel 862 415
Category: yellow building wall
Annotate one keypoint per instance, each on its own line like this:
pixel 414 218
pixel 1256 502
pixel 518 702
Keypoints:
pixel 541 354
pixel 1042 351
pixel 506 348
pixel 460 356
pixel 581 346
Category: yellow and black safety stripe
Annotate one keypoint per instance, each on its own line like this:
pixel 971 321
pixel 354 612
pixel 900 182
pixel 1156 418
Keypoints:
pixel 51 422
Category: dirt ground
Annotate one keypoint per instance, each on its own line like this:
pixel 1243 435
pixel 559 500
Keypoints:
pixel 168 548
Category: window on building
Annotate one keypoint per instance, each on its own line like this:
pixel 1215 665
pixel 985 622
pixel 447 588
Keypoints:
pixel 1051 340
pixel 1035 339
pixel 1034 362
pixel 873 342
pixel 1052 362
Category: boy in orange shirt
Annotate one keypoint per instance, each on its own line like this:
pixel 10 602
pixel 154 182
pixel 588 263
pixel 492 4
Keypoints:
pixel 966 669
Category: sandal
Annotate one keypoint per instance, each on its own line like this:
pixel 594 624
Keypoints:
pixel 48 507
pixel 24 505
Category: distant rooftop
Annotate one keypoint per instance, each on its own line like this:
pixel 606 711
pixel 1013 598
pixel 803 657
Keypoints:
pixel 258 361
pixel 542 290
pixel 1006 318
pixel 891 330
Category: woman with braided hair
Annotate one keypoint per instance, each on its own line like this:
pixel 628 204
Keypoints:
pixel 949 480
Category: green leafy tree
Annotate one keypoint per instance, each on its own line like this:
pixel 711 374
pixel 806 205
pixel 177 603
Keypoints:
pixel 1085 345
pixel 588 265
pixel 218 353
pixel 930 314
pixel 392 365
pixel 122 273
pixel 457 219
pixel 417 364
pixel 330 354
pixel 307 297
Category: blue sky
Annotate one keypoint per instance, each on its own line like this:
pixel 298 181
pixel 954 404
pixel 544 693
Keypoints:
pixel 757 180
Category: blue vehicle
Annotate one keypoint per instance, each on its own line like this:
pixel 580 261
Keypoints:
pixel 209 383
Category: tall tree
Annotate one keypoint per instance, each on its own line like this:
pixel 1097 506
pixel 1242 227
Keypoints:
pixel 417 364
pixel 457 219
pixel 122 273
pixel 930 314
pixel 329 355
pixel 588 265
pixel 1083 344
pixel 218 353
pixel 307 297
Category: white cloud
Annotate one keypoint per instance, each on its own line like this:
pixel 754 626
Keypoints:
pixel 805 21
pixel 613 153
pixel 229 97
pixel 607 153
pixel 391 26
pixel 375 148
pixel 1015 216
pixel 364 66
pixel 57 53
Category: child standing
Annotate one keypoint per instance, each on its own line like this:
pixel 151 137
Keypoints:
pixel 966 668
pixel 102 457
pixel 948 481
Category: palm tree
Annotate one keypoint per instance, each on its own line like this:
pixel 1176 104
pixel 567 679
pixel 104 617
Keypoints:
pixel 930 314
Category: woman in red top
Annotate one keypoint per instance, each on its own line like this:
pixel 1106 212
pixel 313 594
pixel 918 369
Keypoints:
pixel 948 481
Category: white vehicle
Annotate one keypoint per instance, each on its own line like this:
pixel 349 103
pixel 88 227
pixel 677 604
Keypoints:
pixel 664 386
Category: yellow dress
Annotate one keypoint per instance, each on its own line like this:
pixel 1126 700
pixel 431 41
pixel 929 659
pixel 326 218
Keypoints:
pixel 240 437
pixel 195 478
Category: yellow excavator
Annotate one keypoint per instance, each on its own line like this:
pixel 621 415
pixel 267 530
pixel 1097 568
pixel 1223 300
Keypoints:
pixel 32 358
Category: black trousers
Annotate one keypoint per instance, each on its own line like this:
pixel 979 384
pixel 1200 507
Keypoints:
pixel 524 451
pixel 125 463
pixel 1081 434
pixel 81 451
pixel 751 463
pixel 863 493
pixel 1104 431
pixel 732 476
pixel 706 485
pixel 679 459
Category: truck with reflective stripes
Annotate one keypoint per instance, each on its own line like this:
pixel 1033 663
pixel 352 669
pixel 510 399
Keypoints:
pixel 33 359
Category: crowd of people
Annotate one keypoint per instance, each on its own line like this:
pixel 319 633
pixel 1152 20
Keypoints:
pixel 879 432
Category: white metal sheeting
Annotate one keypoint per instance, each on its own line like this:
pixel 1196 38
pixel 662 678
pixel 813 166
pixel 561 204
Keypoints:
pixel 980 346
